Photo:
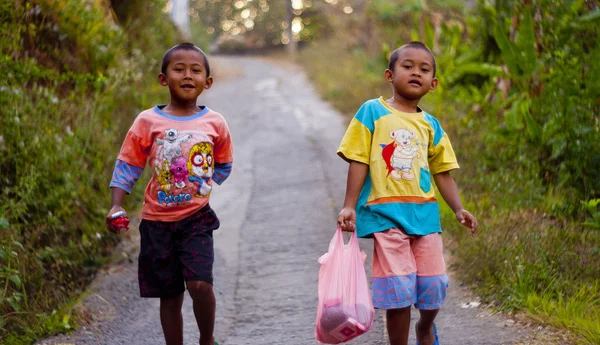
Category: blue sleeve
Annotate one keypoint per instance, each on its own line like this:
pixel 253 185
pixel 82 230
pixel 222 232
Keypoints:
pixel 222 171
pixel 125 176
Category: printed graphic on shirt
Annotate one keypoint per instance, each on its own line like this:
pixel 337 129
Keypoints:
pixel 183 166
pixel 164 176
pixel 201 167
pixel 399 154
pixel 172 144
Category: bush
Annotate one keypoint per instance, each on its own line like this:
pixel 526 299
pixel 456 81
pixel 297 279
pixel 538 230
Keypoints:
pixel 74 82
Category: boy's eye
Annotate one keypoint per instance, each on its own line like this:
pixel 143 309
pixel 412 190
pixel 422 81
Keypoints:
pixel 407 66
pixel 197 71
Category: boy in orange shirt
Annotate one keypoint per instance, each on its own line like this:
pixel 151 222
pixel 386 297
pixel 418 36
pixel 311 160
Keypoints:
pixel 188 147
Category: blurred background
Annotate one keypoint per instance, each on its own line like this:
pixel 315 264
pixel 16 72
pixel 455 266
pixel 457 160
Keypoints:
pixel 519 96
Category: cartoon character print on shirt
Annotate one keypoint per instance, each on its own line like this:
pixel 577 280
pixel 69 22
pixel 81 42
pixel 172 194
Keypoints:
pixel 172 144
pixel 164 176
pixel 399 154
pixel 171 166
pixel 179 170
pixel 201 166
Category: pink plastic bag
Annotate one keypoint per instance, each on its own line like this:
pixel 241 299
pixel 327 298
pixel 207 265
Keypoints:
pixel 345 308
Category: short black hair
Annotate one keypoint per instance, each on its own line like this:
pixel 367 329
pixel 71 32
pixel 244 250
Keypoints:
pixel 183 46
pixel 415 45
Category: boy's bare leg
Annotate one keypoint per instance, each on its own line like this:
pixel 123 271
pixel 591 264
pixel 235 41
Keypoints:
pixel 424 327
pixel 398 325
pixel 204 309
pixel 171 319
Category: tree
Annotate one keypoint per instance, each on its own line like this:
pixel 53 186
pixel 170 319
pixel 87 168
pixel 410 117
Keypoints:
pixel 257 23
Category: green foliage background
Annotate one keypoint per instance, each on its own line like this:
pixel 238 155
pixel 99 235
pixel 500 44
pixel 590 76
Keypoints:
pixel 76 74
pixel 519 95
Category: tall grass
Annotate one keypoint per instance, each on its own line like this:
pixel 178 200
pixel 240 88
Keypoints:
pixel 74 82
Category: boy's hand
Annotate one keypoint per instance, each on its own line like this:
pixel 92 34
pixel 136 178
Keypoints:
pixel 347 219
pixel 117 224
pixel 467 219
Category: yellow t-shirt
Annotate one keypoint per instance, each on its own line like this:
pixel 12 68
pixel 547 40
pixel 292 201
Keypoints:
pixel 403 151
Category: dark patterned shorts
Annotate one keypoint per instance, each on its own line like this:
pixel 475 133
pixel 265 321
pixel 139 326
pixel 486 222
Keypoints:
pixel 174 252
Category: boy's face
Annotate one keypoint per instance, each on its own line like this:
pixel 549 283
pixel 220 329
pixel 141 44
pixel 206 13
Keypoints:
pixel 412 77
pixel 185 76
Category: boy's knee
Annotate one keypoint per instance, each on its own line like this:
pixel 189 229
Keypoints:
pixel 172 301
pixel 199 288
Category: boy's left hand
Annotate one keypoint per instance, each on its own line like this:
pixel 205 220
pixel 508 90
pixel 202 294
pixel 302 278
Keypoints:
pixel 467 219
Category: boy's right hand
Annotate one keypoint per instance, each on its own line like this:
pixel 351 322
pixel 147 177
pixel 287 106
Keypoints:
pixel 347 219
pixel 119 223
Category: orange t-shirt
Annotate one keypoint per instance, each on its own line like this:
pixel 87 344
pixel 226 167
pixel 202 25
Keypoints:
pixel 182 152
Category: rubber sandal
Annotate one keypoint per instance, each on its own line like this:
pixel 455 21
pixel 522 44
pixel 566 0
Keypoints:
pixel 437 340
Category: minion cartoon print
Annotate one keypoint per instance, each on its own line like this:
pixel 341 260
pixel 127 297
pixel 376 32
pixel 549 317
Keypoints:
pixel 399 154
pixel 200 167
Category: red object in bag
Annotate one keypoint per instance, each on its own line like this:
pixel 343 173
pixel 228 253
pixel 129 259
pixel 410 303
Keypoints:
pixel 121 223
pixel 345 309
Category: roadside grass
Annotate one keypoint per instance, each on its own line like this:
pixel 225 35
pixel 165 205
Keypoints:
pixel 344 79
pixel 579 314
pixel 527 255
pixel 74 81
pixel 525 260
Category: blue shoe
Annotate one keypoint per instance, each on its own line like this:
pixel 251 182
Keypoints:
pixel 435 334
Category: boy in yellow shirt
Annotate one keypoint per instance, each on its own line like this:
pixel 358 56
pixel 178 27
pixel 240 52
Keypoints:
pixel 395 149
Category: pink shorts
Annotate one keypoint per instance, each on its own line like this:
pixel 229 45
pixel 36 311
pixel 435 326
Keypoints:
pixel 408 270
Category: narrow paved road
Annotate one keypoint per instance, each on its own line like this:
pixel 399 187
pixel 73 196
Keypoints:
pixel 277 214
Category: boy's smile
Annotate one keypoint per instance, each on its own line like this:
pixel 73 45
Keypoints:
pixel 415 82
pixel 188 86
pixel 186 78
pixel 412 76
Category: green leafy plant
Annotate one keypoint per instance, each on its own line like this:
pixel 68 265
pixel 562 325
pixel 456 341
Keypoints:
pixel 75 76
pixel 10 276
pixel 594 212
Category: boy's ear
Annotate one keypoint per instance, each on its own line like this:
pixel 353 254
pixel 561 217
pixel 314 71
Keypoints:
pixel 388 74
pixel 434 84
pixel 208 83
pixel 162 79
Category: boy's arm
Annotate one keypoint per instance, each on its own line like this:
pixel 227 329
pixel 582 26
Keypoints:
pixel 222 172
pixel 223 153
pixel 449 192
pixel 357 173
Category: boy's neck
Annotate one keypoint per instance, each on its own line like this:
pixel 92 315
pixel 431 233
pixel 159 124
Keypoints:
pixel 181 109
pixel 402 104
